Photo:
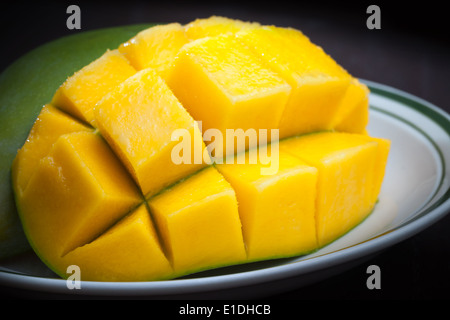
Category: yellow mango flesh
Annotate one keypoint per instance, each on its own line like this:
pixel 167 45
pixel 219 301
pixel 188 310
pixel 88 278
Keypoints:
pixel 349 168
pixel 80 92
pixel 50 124
pixel 277 210
pixel 214 26
pixel 222 84
pixel 355 109
pixel 383 148
pixel 128 251
pixel 80 181
pixel 155 47
pixel 317 81
pixel 138 119
pixel 199 222
pixel 129 195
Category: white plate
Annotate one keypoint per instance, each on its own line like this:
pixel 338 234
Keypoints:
pixel 415 194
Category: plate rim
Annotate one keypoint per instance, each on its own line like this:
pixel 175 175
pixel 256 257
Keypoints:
pixel 425 217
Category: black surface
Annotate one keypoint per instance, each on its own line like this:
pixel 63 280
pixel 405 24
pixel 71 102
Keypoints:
pixel 409 52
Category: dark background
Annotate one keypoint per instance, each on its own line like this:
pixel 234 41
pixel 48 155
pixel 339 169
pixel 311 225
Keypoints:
pixel 409 52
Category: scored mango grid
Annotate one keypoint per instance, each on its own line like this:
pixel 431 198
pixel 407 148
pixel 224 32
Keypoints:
pixel 144 199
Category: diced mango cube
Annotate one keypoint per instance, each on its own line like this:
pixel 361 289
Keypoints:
pixel 48 127
pixel 199 222
pixel 225 86
pixel 80 92
pixel 214 26
pixel 129 251
pixel 138 119
pixel 80 181
pixel 347 171
pixel 155 47
pixel 317 81
pixel 277 210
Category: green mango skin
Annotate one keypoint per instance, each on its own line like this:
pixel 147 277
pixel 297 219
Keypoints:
pixel 25 86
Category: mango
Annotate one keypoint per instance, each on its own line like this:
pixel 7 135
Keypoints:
pixel 199 222
pixel 277 210
pixel 355 109
pixel 155 47
pixel 138 118
pixel 48 127
pixel 349 170
pixel 78 182
pixel 99 182
pixel 224 85
pixel 317 82
pixel 81 91
pixel 129 251
pixel 214 26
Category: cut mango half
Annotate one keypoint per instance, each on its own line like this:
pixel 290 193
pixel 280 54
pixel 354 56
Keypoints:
pixel 117 175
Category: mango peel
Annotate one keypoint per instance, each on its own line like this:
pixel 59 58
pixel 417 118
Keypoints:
pixel 103 192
